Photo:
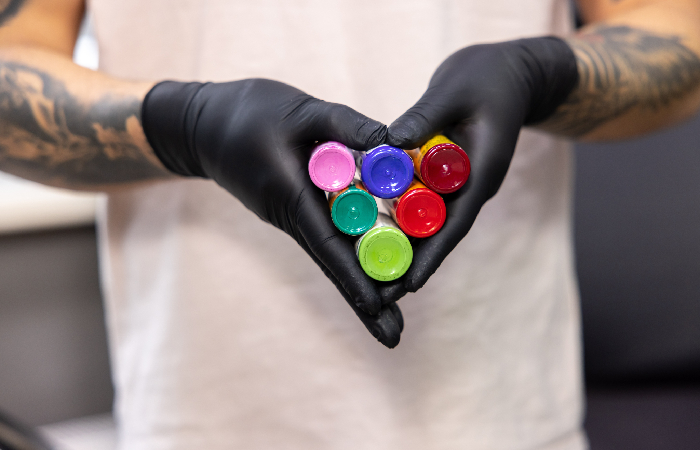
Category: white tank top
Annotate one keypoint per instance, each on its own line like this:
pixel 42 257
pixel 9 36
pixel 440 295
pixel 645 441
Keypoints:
pixel 225 335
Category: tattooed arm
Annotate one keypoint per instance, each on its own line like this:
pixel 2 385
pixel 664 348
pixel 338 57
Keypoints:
pixel 61 124
pixel 639 69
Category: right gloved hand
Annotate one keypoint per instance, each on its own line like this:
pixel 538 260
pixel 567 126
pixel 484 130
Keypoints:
pixel 254 137
pixel 480 97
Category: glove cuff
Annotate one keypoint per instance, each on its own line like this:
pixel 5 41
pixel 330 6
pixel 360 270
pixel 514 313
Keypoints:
pixel 168 121
pixel 553 73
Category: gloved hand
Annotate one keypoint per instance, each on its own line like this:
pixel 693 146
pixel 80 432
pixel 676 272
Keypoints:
pixel 480 97
pixel 254 137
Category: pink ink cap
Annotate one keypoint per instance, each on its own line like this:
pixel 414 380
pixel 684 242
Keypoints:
pixel 332 166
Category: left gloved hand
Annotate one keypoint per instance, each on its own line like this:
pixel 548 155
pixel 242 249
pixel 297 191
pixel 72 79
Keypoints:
pixel 253 137
pixel 480 97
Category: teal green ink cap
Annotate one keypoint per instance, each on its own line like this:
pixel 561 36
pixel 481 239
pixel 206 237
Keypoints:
pixel 354 211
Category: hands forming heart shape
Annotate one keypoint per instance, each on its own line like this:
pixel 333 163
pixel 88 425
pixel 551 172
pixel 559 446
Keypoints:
pixel 254 137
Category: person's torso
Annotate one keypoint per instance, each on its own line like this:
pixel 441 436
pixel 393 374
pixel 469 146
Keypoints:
pixel 226 335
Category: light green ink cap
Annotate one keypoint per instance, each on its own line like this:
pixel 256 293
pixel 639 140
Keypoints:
pixel 385 253
pixel 354 211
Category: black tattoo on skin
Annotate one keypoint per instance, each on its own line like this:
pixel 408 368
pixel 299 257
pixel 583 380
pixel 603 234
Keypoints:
pixel 48 135
pixel 621 68
pixel 8 9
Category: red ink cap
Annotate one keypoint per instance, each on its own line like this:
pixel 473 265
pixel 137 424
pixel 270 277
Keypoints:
pixel 445 168
pixel 420 212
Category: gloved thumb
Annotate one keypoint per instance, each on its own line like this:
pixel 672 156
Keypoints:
pixel 326 121
pixel 423 120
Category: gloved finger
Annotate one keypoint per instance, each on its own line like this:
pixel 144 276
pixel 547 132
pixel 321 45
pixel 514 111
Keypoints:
pixel 432 113
pixel 490 147
pixel 324 121
pixel 391 291
pixel 385 326
pixel 334 251
pixel 394 308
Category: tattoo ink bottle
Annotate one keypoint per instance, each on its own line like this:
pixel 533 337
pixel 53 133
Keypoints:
pixel 384 251
pixel 419 212
pixel 386 171
pixel 441 164
pixel 332 166
pixel 353 209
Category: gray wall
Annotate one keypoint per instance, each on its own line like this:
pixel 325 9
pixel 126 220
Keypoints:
pixel 54 362
pixel 638 250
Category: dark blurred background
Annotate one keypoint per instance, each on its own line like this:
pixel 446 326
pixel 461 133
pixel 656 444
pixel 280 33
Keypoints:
pixel 637 234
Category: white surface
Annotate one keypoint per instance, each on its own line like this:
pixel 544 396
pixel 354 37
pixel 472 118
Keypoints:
pixel 86 52
pixel 25 205
pixel 86 433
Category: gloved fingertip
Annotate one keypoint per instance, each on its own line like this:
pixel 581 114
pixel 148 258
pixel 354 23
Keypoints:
pixel 390 293
pixel 352 128
pixel 371 306
pixel 399 135
pixel 370 134
pixel 406 132
pixel 385 328
pixel 415 282
pixel 398 315
pixel 392 339
pixel 392 342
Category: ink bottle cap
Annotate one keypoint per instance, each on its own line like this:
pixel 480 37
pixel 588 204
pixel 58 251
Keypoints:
pixel 384 252
pixel 353 210
pixel 441 164
pixel 332 166
pixel 445 168
pixel 419 212
pixel 386 171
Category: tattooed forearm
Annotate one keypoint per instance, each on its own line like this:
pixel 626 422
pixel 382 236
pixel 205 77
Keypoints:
pixel 8 9
pixel 49 135
pixel 622 68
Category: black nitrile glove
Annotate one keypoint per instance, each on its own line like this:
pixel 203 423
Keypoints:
pixel 254 137
pixel 480 97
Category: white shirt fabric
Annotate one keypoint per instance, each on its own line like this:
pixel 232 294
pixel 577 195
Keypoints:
pixel 225 335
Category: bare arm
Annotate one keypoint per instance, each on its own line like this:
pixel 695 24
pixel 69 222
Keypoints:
pixel 61 124
pixel 639 68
